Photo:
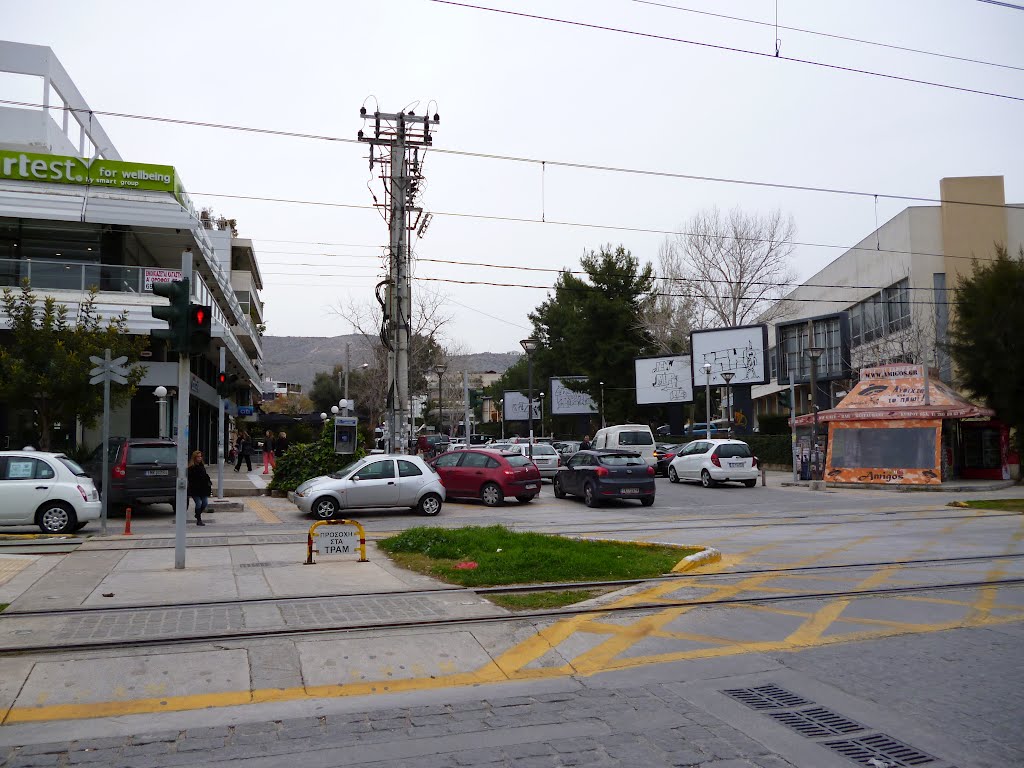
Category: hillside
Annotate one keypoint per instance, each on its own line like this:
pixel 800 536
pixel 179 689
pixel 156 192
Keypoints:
pixel 298 358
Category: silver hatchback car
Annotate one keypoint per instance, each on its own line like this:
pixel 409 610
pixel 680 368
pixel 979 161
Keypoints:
pixel 375 482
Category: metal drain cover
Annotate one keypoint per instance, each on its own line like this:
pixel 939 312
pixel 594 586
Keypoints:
pixel 768 697
pixel 817 722
pixel 870 751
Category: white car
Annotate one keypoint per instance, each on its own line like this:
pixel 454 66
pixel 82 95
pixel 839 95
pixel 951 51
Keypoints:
pixel 715 461
pixel 547 459
pixel 46 489
pixel 374 482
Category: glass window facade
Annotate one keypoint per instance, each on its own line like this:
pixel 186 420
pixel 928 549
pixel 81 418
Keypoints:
pixel 883 313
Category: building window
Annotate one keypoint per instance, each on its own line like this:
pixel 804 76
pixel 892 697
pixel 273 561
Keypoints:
pixel 885 312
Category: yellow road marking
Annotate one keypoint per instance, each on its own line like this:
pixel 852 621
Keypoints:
pixel 262 511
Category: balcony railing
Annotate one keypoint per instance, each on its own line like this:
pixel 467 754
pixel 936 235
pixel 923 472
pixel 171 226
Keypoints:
pixel 72 275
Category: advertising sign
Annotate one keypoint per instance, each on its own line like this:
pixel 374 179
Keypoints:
pixel 157 275
pixel 61 169
pixel 568 402
pixel 515 407
pixel 663 380
pixel 742 350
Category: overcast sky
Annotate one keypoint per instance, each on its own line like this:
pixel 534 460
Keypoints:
pixel 541 90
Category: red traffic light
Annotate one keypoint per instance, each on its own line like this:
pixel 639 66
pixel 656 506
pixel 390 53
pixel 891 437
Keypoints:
pixel 222 378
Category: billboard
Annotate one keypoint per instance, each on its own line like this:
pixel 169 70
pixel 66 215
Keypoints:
pixel 742 350
pixel 567 402
pixel 515 407
pixel 663 380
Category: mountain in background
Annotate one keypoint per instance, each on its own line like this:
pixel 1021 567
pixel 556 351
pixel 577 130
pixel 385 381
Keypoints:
pixel 297 359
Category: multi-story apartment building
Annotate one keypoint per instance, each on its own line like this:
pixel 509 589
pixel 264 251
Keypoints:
pixel 74 215
pixel 890 298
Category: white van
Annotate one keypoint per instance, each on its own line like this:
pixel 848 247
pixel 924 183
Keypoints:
pixel 631 437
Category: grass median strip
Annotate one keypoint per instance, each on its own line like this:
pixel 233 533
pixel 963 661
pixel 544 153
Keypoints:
pixel 1008 505
pixel 495 556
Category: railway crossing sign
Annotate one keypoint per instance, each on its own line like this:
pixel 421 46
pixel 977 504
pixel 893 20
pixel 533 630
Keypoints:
pixel 107 370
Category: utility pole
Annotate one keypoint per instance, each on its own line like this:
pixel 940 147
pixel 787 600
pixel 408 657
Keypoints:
pixel 395 145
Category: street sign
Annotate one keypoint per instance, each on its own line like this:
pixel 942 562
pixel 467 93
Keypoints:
pixel 337 541
pixel 107 371
pixel 116 378
pixel 246 410
pixel 116 361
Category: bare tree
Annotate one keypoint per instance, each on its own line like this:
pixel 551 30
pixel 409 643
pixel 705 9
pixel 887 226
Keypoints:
pixel 734 269
pixel 669 315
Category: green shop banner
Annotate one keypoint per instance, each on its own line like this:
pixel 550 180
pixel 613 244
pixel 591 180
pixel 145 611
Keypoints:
pixel 60 169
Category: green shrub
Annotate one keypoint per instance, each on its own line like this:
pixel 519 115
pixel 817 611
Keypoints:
pixel 773 424
pixel 303 461
pixel 771 449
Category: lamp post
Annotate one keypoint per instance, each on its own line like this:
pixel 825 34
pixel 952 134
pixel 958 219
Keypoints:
pixel 501 407
pixel 440 368
pixel 707 399
pixel 530 346
pixel 541 395
pixel 814 353
pixel 727 375
pixel 323 416
pixel 161 400
pixel 602 405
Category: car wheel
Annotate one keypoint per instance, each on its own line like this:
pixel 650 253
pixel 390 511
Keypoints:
pixel 325 508
pixel 56 517
pixel 429 505
pixel 590 495
pixel 673 476
pixel 750 483
pixel 491 495
pixel 526 499
pixel 556 488
pixel 705 479
pixel 647 501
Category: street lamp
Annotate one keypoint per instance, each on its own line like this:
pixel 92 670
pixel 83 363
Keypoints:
pixel 501 407
pixel 602 404
pixel 541 395
pixel 334 410
pixel 323 416
pixel 161 400
pixel 727 375
pixel 707 399
pixel 530 346
pixel 814 353
pixel 440 368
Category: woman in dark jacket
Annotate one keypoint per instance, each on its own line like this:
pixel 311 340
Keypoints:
pixel 199 485
pixel 281 445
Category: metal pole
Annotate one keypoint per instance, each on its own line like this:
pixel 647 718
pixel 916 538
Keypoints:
pixel 106 444
pixel 501 405
pixel 181 487
pixel 440 406
pixel 220 431
pixel 814 409
pixel 348 366
pixel 602 406
pixel 792 419
pixel 707 403
pixel 162 404
pixel 465 405
pixel 529 406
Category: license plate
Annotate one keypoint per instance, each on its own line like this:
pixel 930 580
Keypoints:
pixel 157 472
pixel 628 491
pixel 736 463
pixel 530 486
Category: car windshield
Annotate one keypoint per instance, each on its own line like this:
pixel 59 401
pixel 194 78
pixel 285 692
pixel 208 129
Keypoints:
pixel 341 474
pixel 73 466
pixel 635 438
pixel 621 461
pixel 733 451
pixel 518 461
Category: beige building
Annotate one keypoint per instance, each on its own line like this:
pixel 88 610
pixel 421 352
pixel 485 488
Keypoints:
pixel 889 299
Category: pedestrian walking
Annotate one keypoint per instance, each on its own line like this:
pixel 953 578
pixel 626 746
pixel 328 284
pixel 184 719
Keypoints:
pixel 199 485
pixel 585 443
pixel 269 462
pixel 243 446
pixel 280 445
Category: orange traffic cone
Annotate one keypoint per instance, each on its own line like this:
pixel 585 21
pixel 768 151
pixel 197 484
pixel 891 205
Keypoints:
pixel 128 521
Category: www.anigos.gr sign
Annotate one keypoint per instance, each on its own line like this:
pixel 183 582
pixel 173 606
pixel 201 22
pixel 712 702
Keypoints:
pixel 61 169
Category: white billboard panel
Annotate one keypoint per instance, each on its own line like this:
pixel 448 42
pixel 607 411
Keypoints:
pixel 742 350
pixel 515 407
pixel 567 402
pixel 663 380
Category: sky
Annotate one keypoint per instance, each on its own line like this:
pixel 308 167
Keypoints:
pixel 538 90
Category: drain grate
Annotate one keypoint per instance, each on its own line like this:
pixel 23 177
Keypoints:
pixel 871 751
pixel 817 722
pixel 768 697
pixel 269 564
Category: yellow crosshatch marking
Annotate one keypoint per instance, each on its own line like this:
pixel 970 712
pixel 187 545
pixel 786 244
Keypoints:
pixel 719 631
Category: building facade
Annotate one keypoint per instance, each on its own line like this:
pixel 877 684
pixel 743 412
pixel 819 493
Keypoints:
pixel 75 216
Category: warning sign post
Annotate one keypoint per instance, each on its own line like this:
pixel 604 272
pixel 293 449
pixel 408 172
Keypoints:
pixel 334 540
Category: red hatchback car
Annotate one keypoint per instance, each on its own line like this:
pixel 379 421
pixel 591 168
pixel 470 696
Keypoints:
pixel 487 475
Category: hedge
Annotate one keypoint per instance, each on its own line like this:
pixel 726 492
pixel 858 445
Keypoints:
pixel 303 461
pixel 771 449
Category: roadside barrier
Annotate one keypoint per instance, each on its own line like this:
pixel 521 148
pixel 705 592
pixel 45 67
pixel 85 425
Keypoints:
pixel 341 547
pixel 127 522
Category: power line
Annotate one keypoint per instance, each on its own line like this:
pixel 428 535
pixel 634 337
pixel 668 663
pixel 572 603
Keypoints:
pixel 534 160
pixel 818 33
pixel 1005 5
pixel 730 49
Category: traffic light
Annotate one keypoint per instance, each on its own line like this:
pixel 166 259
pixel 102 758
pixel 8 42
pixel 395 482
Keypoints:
pixel 785 400
pixel 199 327
pixel 227 384
pixel 176 314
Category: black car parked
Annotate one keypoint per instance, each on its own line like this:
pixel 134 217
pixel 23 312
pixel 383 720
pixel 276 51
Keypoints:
pixel 142 471
pixel 606 474
pixel 663 455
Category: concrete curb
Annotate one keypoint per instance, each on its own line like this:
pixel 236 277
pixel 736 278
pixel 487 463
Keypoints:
pixel 706 557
